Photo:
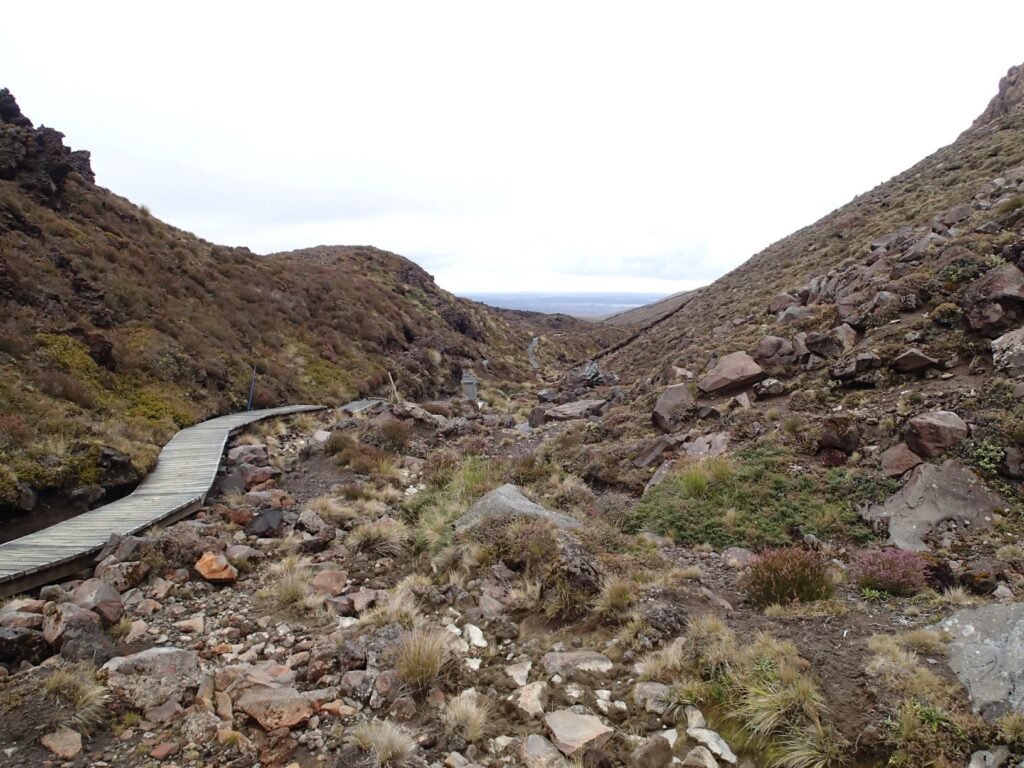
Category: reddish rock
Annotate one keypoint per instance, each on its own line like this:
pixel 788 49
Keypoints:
pixel 277 707
pixel 164 750
pixel 781 301
pixel 59 618
pixel 898 459
pixel 330 583
pixel 238 515
pixel 840 432
pixel 98 596
pixel 64 743
pixel 734 370
pixel 215 568
pixel 932 434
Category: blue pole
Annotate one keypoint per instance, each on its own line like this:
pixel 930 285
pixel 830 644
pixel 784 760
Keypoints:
pixel 252 388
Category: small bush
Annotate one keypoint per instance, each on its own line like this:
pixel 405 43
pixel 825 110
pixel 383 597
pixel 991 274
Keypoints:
pixel 423 657
pixel 57 384
pixel 14 431
pixel 894 571
pixel 616 596
pixel 787 575
pixel 395 435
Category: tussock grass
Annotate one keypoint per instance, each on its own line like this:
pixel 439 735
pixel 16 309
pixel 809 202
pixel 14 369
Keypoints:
pixel 75 686
pixel 467 715
pixel 388 744
pixel 423 657
pixel 290 587
pixel 382 538
pixel 399 608
pixel 616 597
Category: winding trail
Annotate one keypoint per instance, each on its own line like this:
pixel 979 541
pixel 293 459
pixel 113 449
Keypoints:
pixel 184 474
pixel 531 352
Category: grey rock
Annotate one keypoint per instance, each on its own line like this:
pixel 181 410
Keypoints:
pixel 986 652
pixel 735 370
pixel 1008 353
pixel 507 501
pixel 932 434
pixel 151 677
pixel 932 495
pixel 653 752
pixel 674 405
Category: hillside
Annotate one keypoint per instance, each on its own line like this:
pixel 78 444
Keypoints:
pixel 116 328
pixel 640 317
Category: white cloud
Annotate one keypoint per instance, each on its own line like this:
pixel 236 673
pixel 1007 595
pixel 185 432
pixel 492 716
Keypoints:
pixel 508 147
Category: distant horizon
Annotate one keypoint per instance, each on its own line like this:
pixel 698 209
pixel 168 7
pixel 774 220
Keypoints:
pixel 584 304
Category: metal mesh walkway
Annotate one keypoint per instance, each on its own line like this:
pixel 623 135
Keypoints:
pixel 184 474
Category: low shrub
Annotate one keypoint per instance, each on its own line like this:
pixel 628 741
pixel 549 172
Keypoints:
pixel 395 435
pixel 893 571
pixel 787 575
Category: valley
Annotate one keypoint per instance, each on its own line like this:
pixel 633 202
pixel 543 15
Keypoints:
pixel 774 522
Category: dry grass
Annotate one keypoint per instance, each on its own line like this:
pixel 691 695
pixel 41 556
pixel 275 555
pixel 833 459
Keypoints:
pixel 234 498
pixel 467 715
pixel 75 687
pixel 290 587
pixel 423 658
pixel 525 595
pixel 388 744
pixel 399 608
pixel 616 597
pixel 664 664
pixel 382 538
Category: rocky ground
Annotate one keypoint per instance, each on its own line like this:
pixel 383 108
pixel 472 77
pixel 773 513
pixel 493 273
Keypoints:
pixel 425 585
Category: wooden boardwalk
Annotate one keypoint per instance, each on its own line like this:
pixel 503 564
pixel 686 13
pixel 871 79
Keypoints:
pixel 184 474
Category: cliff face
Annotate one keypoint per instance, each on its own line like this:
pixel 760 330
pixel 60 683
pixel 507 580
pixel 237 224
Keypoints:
pixel 116 328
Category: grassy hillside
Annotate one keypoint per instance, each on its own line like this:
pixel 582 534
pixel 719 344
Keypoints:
pixel 116 329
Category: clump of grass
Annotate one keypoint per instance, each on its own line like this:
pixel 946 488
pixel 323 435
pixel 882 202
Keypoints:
pixel 399 608
pixel 1012 554
pixel 423 657
pixel 784 576
pixel 467 715
pixel 75 686
pixel 524 596
pixel 616 597
pixel 388 744
pixel 663 664
pixel 1010 729
pixel 234 498
pixel 814 745
pixel 290 587
pixel 327 508
pixel 383 538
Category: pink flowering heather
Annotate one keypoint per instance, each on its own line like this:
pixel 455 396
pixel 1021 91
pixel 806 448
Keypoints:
pixel 894 571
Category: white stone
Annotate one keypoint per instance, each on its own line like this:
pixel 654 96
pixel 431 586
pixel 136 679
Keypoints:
pixel 713 742
pixel 475 635
pixel 574 734
pixel 520 672
pixel 531 698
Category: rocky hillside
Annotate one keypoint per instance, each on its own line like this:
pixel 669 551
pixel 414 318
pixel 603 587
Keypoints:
pixel 116 329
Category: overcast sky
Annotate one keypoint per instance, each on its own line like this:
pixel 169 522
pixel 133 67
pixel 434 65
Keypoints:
pixel 506 147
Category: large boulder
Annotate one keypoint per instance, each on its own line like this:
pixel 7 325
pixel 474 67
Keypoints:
pixel 986 652
pixel 733 371
pixel 773 351
pixel 932 495
pixel 154 676
pixel 898 460
pixel 913 361
pixel 1008 353
pixel 674 405
pixel 932 434
pixel 996 300
pixel 507 501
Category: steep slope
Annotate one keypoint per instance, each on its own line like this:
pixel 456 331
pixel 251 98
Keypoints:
pixel 729 313
pixel 116 329
pixel 649 313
